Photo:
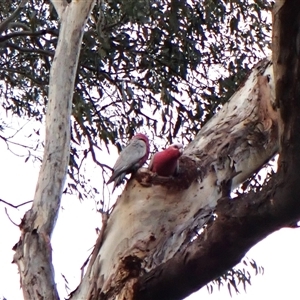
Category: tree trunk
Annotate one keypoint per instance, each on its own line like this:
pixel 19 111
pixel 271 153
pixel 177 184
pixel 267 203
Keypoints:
pixel 156 218
pixel 151 246
pixel 33 251
pixel 247 219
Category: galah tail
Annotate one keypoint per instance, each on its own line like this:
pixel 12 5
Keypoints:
pixel 165 163
pixel 131 158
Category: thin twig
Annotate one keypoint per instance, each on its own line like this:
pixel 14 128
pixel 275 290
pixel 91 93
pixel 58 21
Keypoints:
pixel 9 217
pixel 83 266
pixel 91 150
pixel 100 239
pixel 6 140
pixel 18 130
pixel 15 206
pixel 98 244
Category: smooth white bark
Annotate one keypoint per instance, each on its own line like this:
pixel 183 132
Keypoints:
pixel 59 6
pixel 33 251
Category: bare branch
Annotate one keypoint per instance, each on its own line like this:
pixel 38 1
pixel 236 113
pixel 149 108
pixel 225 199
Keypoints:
pixel 30 50
pixel 35 80
pixel 15 206
pixel 83 266
pixel 4 25
pixel 91 150
pixel 7 141
pixel 18 24
pixel 10 218
pixel 28 33
pixel 97 246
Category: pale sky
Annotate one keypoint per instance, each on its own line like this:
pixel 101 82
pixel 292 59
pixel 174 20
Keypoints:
pixel 75 235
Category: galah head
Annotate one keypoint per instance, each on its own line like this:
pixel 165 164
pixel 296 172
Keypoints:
pixel 143 137
pixel 165 163
pixel 177 149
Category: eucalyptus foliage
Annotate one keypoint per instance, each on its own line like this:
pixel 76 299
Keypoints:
pixel 161 67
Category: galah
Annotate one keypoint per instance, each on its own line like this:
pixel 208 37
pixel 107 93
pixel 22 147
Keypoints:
pixel 165 163
pixel 131 158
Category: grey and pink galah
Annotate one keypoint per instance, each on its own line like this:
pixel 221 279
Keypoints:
pixel 165 163
pixel 131 158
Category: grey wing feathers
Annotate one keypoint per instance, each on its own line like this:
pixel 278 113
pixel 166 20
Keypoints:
pixel 118 180
pixel 129 158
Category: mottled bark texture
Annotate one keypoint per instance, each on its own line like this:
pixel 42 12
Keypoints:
pixel 244 221
pixel 33 251
pixel 146 250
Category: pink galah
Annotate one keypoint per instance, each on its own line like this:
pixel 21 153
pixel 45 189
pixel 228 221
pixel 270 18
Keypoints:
pixel 131 158
pixel 165 163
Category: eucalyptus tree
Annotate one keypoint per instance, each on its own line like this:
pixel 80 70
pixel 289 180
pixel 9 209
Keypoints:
pixel 100 72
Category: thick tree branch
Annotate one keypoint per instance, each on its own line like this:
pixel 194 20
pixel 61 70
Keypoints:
pixel 244 221
pixel 241 223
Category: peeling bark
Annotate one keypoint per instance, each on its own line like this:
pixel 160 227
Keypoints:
pixel 241 223
pixel 33 251
pixel 146 250
pixel 155 218
pixel 244 221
